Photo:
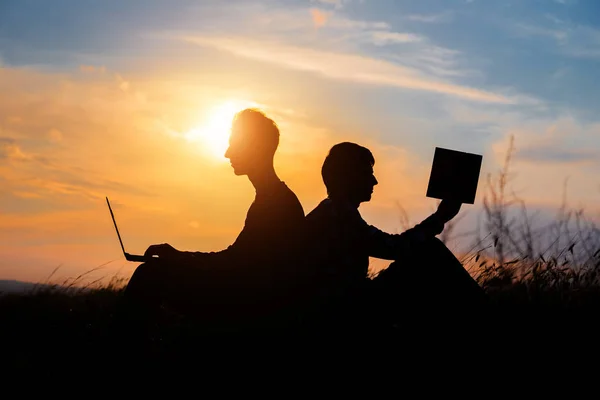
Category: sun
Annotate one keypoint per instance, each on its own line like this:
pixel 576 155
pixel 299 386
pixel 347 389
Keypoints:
pixel 213 135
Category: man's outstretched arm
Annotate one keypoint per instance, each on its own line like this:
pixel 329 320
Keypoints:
pixel 201 257
pixel 389 246
pixel 166 252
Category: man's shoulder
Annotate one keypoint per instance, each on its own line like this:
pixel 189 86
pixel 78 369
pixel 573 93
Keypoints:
pixel 329 212
pixel 324 210
pixel 286 199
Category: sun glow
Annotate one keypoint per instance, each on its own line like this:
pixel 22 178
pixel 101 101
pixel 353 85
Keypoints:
pixel 213 135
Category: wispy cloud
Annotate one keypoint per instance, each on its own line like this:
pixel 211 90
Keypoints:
pixel 572 40
pixel 38 175
pixel 533 30
pixel 55 135
pixel 582 42
pixel 549 154
pixel 554 19
pixel 319 17
pixel 92 69
pixel 430 18
pixel 382 38
pixel 338 4
pixel 335 20
pixel 9 150
pixel 361 51
pixel 344 66
pixel 563 140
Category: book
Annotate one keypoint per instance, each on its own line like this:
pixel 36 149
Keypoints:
pixel 454 175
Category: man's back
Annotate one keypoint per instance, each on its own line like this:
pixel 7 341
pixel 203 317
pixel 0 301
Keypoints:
pixel 275 217
pixel 341 242
pixel 271 230
pixel 335 235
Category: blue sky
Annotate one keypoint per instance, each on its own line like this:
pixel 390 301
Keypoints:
pixel 399 76
pixel 545 48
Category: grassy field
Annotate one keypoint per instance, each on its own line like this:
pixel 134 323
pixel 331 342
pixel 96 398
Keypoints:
pixel 51 327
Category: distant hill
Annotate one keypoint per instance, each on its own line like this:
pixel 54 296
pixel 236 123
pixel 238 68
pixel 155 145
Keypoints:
pixel 20 287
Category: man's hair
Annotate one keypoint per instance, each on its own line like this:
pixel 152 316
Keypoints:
pixel 341 164
pixel 259 127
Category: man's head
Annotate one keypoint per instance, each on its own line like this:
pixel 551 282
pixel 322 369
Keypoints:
pixel 348 173
pixel 252 143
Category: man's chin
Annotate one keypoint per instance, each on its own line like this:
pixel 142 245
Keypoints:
pixel 238 171
pixel 364 199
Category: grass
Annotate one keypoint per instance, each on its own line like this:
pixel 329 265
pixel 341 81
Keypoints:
pixel 547 274
pixel 556 265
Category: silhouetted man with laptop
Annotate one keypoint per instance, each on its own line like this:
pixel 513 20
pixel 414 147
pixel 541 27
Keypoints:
pixel 426 280
pixel 242 280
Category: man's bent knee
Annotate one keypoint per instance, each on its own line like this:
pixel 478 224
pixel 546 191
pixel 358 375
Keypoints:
pixel 145 270
pixel 145 275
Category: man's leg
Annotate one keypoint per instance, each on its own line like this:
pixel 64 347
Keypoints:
pixel 430 281
pixel 146 286
pixel 139 311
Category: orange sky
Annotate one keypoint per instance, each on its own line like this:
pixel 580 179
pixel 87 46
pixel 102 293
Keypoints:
pixel 79 137
pixel 145 125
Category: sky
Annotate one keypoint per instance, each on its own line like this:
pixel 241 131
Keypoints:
pixel 132 100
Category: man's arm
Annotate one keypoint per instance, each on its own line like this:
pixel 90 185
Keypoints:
pixel 167 253
pixel 201 257
pixel 388 246
pixel 269 234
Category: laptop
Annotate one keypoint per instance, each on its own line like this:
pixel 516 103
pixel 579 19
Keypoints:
pixel 454 175
pixel 128 257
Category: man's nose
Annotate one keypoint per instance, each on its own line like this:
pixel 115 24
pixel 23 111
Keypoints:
pixel 375 182
pixel 227 152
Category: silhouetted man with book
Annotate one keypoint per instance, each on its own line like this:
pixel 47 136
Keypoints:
pixel 242 280
pixel 425 279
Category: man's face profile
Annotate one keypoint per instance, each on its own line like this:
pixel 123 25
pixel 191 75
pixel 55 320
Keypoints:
pixel 363 182
pixel 239 152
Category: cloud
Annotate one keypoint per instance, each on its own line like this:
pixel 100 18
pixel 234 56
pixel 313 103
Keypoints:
pixel 572 40
pixel 550 154
pixel 336 33
pixel 547 152
pixel 361 51
pixel 50 132
pixel 437 61
pixel 582 42
pixel 40 174
pixel 338 4
pixel 344 66
pixel 554 19
pixel 10 151
pixel 54 135
pixel 344 23
pixel 92 69
pixel 533 30
pixel 123 84
pixel 563 140
pixel 382 38
pixel 430 18
pixel 319 17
